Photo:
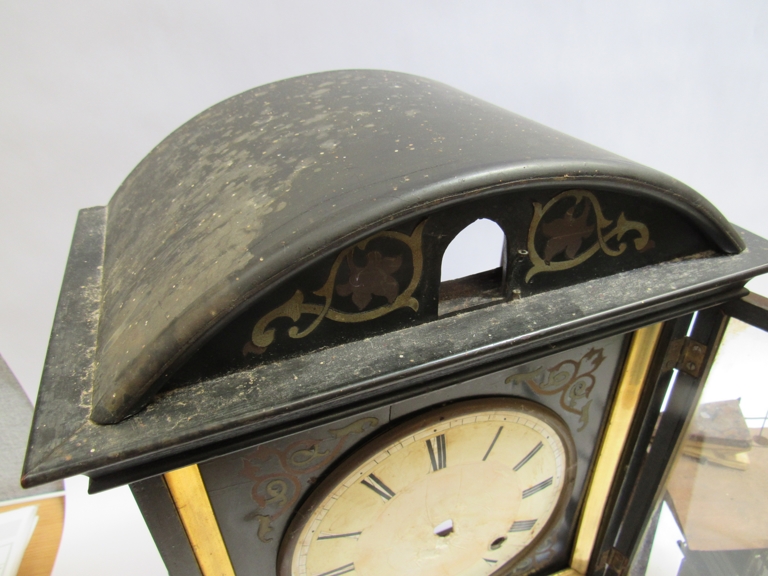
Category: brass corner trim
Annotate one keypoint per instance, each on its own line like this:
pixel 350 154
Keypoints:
pixel 630 386
pixel 191 499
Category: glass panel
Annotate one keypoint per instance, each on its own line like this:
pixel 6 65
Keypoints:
pixel 713 519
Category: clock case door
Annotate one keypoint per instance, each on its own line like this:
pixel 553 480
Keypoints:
pixel 664 436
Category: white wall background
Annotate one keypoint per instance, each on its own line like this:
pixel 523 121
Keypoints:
pixel 88 88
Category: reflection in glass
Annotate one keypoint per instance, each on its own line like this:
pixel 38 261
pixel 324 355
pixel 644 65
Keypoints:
pixel 714 512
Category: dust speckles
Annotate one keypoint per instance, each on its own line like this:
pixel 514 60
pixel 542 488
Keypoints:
pixel 316 118
pixel 329 145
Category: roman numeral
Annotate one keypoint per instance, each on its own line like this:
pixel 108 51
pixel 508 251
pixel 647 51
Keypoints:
pixel 379 487
pixel 493 443
pixel 339 571
pixel 522 525
pixel 326 536
pixel 538 488
pixel 437 452
pixel 530 455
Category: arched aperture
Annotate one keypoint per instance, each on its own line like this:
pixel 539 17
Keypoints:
pixel 472 270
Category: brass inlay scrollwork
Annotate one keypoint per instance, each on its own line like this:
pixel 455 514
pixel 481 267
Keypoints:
pixel 304 459
pixel 572 379
pixel 277 485
pixel 265 527
pixel 357 427
pixel 277 490
pixel 566 234
pixel 374 279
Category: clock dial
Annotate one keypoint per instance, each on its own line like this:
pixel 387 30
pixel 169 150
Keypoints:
pixel 465 490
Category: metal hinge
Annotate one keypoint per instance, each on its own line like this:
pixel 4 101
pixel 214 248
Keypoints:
pixel 686 355
pixel 613 560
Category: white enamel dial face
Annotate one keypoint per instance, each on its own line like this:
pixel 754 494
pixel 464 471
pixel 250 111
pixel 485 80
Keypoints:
pixel 463 491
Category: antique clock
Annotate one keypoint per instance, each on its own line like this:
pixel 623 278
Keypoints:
pixel 255 335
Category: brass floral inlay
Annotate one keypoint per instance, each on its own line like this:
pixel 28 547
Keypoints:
pixel 373 279
pixel 572 379
pixel 566 235
pixel 277 474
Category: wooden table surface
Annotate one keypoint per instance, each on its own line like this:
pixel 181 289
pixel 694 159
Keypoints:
pixel 41 552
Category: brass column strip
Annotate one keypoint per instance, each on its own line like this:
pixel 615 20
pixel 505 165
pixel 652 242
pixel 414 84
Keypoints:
pixel 567 572
pixel 630 386
pixel 191 500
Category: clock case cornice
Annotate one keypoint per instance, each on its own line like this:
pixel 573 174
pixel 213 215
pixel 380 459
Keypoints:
pixel 338 186
pixel 210 418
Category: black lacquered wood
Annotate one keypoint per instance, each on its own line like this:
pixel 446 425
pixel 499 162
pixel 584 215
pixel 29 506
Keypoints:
pixel 274 266
pixel 752 309
pixel 162 518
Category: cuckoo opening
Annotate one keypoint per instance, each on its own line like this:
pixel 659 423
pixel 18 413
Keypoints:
pixel 472 271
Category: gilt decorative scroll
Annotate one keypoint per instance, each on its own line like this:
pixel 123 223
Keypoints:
pixel 275 492
pixel 375 278
pixel 567 234
pixel 573 380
